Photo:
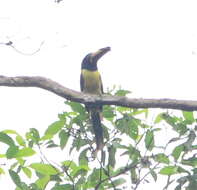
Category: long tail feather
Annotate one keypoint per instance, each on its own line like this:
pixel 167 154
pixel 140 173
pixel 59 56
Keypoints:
pixel 98 130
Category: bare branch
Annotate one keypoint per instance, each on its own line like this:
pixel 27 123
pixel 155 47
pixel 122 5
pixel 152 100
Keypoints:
pixel 58 89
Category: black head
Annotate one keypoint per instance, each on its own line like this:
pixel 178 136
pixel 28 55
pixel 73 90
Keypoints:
pixel 90 60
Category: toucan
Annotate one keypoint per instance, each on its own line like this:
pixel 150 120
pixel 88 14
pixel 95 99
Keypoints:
pixel 90 82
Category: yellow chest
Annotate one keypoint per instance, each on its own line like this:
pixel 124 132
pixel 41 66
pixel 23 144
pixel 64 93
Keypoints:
pixel 92 81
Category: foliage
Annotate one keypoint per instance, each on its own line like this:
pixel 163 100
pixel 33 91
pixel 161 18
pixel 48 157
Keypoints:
pixel 150 144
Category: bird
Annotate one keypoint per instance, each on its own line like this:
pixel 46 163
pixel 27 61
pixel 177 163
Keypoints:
pixel 91 83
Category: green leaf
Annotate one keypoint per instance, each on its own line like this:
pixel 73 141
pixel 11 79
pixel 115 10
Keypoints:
pixel 134 177
pixel 2 155
pixel 169 170
pixel 134 154
pixel 15 178
pixel 52 145
pixel 194 147
pixel 20 140
pixel 108 112
pixel 123 109
pixel 63 135
pixel 181 128
pixel 177 152
pixel 42 182
pixel 83 159
pixel 10 131
pixel 25 152
pixel 192 183
pixel 190 140
pixel 33 186
pixel 156 129
pixel 79 120
pixel 35 136
pixel 162 158
pixel 27 172
pixel 82 182
pixel 133 125
pixel 2 171
pixel 78 143
pixel 54 128
pixel 45 169
pixel 118 182
pixel 47 137
pixel 182 170
pixel 111 158
pixel 194 170
pixel 56 178
pixel 175 122
pixel 105 132
pixel 70 164
pixel 94 177
pixel 6 139
pixel 24 186
pixel 80 170
pixel 11 152
pixel 63 187
pixel 20 161
pixel 128 125
pixel 159 118
pixel 122 92
pixel 76 107
pixel 181 181
pixel 189 116
pixel 190 161
pixel 149 140
pixel 153 174
pixel 140 111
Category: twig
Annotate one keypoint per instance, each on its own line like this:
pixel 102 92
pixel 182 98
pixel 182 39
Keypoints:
pixel 42 156
pixel 70 177
pixel 122 171
pixel 34 52
pixel 168 183
pixel 11 44
pixel 107 173
pixel 138 183
pixel 65 169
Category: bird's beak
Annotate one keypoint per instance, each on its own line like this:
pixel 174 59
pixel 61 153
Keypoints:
pixel 98 54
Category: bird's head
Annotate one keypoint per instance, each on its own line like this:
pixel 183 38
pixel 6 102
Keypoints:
pixel 90 61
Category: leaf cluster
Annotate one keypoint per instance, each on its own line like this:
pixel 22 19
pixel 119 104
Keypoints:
pixel 133 154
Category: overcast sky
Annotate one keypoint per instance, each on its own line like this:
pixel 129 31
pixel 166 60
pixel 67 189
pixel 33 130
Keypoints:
pixel 153 51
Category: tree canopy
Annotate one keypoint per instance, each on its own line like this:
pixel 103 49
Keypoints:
pixel 141 146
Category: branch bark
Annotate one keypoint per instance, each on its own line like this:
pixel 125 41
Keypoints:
pixel 58 89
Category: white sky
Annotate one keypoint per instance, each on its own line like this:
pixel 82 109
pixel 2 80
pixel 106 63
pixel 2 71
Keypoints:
pixel 151 41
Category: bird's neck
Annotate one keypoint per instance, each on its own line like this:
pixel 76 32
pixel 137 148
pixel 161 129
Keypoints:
pixel 90 67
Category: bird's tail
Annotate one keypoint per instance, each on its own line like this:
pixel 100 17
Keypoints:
pixel 98 130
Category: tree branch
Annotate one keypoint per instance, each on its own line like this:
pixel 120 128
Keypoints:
pixel 52 86
pixel 122 171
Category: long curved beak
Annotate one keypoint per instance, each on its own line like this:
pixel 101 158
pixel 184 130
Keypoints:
pixel 98 54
